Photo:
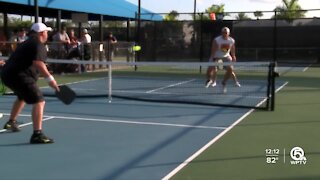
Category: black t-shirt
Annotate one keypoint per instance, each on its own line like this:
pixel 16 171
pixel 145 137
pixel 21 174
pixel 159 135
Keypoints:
pixel 20 62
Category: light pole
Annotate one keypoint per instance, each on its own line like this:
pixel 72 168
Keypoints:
pixel 195 9
pixel 139 19
pixel 138 32
pixel 36 10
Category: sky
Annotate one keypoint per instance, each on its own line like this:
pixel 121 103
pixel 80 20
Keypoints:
pixel 187 6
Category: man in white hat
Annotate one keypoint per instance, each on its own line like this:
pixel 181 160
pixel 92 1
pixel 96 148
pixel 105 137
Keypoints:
pixel 86 47
pixel 223 50
pixel 20 74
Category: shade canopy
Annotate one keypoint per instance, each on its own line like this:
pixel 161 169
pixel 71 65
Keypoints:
pixel 110 9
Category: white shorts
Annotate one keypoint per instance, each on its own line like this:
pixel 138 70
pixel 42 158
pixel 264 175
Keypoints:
pixel 220 61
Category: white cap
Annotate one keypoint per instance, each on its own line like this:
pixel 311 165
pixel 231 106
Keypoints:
pixel 40 27
pixel 225 29
pixel 85 31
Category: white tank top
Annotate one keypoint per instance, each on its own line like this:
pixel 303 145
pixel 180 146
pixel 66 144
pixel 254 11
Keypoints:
pixel 224 47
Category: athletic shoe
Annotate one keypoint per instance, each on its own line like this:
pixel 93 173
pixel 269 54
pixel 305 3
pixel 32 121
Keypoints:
pixel 210 83
pixel 12 125
pixel 237 84
pixel 224 88
pixel 40 139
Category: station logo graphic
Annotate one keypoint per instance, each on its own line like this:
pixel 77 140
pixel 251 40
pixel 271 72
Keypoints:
pixel 298 156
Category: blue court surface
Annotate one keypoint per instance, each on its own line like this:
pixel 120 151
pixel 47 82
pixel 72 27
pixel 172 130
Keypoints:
pixel 95 139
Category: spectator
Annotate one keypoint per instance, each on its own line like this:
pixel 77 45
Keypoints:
pixel 73 46
pixel 3 39
pixel 60 45
pixel 110 46
pixel 86 47
pixel 61 40
pixel 13 41
pixel 22 35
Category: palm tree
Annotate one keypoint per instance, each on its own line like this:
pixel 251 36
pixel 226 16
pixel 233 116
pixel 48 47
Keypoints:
pixel 258 14
pixel 218 10
pixel 242 16
pixel 172 16
pixel 289 11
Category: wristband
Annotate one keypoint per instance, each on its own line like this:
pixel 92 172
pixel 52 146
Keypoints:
pixel 49 78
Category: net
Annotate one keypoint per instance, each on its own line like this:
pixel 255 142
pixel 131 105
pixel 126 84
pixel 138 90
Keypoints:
pixel 170 82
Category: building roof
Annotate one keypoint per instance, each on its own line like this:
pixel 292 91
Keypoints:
pixel 110 9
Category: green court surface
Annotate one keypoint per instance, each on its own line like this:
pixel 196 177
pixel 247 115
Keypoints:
pixel 241 153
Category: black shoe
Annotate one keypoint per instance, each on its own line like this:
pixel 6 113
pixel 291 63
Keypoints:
pixel 40 139
pixel 12 125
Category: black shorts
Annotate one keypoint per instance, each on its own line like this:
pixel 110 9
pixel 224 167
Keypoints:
pixel 25 88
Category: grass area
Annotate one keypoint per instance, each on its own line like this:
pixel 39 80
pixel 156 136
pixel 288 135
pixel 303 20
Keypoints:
pixel 240 154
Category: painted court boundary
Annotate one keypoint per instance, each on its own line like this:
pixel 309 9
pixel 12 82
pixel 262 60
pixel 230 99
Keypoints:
pixel 118 121
pixel 215 139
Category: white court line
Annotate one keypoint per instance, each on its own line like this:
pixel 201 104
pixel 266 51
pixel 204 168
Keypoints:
pixel 171 85
pixel 196 154
pixel 281 87
pixel 121 121
pixel 215 139
pixel 139 122
pixel 29 123
pixel 306 68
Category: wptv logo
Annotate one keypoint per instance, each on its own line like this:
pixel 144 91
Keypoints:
pixel 298 156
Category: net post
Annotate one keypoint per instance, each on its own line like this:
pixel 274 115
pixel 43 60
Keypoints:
pixel 201 41
pixel 269 87
pixel 273 85
pixel 109 81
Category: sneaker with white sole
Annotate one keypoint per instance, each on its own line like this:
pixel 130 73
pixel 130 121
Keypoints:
pixel 237 84
pixel 210 83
